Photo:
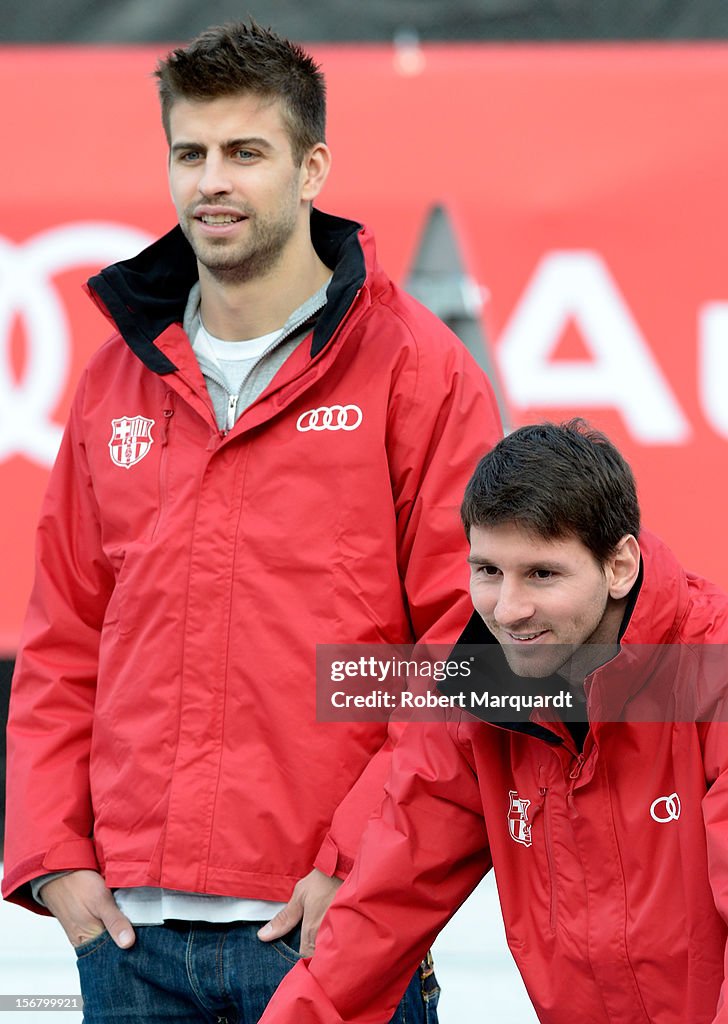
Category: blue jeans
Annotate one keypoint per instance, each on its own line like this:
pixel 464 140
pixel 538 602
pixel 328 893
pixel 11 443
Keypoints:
pixel 193 973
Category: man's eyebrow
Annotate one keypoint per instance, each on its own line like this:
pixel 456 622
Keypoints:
pixel 177 147
pixel 250 140
pixel 552 564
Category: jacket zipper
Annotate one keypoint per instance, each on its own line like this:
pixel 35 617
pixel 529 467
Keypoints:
pixel 230 417
pixel 167 414
pixel 574 774
pixel 553 899
pixel 576 770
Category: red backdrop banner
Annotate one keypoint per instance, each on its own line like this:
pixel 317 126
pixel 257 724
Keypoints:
pixel 586 186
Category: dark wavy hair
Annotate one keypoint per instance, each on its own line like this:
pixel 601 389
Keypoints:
pixel 556 480
pixel 245 58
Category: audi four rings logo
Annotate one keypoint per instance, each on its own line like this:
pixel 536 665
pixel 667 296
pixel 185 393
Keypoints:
pixel 666 808
pixel 330 417
pixel 28 294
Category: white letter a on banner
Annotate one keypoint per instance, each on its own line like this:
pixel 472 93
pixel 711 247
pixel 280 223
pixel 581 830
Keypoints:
pixel 576 287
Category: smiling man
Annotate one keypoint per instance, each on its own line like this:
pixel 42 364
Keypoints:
pixel 608 834
pixel 543 598
pixel 267 454
pixel 554 575
pixel 243 198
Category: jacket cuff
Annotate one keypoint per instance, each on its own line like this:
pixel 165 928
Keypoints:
pixel 331 861
pixel 69 855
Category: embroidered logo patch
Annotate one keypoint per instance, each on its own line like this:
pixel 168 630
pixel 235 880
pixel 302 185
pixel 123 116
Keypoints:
pixel 131 439
pixel 330 417
pixel 666 808
pixel 518 824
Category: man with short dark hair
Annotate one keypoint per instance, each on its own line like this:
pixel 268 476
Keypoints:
pixel 267 454
pixel 608 833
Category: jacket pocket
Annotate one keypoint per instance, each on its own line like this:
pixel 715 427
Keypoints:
pixel 167 414
pixel 550 859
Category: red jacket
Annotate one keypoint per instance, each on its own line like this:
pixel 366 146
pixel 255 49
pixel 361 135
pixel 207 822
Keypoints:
pixel 609 863
pixel 162 722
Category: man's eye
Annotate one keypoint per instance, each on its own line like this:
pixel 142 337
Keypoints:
pixel 542 574
pixel 489 570
pixel 190 156
pixel 245 154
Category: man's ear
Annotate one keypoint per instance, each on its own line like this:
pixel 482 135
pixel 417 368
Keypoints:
pixel 315 170
pixel 623 566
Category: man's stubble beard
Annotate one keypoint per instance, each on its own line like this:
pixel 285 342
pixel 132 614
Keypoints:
pixel 233 264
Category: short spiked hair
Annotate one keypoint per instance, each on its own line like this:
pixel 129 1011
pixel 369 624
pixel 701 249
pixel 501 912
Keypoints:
pixel 241 57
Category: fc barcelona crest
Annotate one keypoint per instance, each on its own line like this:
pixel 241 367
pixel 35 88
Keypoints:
pixel 518 824
pixel 131 439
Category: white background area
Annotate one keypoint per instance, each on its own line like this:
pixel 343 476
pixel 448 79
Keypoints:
pixel 480 983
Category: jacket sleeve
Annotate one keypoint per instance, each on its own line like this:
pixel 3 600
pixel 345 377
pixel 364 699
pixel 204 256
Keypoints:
pixel 443 417
pixel 715 816
pixel 49 819
pixel 420 857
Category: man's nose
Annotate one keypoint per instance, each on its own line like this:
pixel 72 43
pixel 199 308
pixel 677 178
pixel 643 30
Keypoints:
pixel 215 179
pixel 514 605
